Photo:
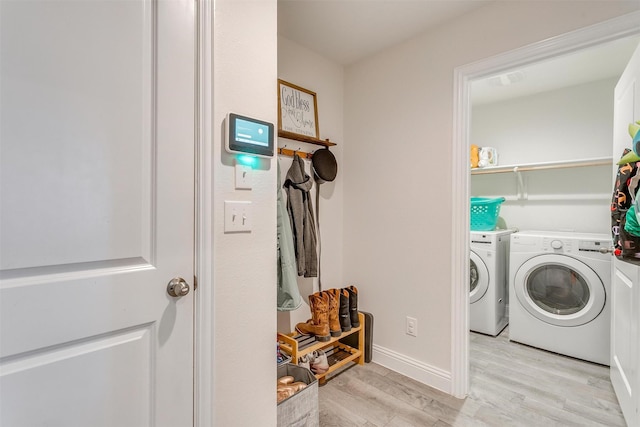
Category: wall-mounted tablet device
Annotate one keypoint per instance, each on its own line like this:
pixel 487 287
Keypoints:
pixel 248 136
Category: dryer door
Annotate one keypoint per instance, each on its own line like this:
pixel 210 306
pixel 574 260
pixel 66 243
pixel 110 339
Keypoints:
pixel 559 290
pixel 478 278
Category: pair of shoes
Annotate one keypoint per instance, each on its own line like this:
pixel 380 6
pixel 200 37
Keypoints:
pixel 324 322
pixel 316 362
pixel 319 362
pixel 343 310
pixel 349 308
pixel 287 387
pixel 332 312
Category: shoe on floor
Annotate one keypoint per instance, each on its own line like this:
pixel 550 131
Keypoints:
pixel 319 364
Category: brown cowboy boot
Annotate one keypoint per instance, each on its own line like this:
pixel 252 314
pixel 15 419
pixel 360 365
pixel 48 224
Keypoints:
pixel 318 325
pixel 334 306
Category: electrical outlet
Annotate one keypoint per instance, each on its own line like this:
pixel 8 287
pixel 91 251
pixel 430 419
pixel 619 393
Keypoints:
pixel 412 326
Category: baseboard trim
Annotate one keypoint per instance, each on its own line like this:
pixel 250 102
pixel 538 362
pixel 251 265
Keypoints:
pixel 412 368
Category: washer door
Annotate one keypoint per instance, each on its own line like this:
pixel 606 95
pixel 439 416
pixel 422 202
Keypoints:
pixel 479 278
pixel 559 290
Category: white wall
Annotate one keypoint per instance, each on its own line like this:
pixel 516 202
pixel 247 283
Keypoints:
pixel 244 264
pixel 398 128
pixel 565 124
pixel 307 69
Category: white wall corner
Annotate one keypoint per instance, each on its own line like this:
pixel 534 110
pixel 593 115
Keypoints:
pixel 412 368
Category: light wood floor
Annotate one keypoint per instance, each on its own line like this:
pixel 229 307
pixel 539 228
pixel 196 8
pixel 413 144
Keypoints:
pixel 511 385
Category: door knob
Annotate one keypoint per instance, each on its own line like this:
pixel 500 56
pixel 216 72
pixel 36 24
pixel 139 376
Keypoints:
pixel 178 287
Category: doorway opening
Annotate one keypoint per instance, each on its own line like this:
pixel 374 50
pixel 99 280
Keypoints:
pixel 593 36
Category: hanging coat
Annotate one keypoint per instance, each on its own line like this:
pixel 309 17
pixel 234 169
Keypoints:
pixel 298 184
pixel 288 293
pixel 626 241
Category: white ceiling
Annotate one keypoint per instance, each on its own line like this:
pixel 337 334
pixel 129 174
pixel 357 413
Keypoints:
pixel 346 31
pixel 595 63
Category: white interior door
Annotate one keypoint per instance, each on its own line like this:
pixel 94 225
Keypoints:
pixel 96 212
pixel 625 335
pixel 624 341
pixel 626 106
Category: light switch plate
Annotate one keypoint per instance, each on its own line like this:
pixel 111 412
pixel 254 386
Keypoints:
pixel 243 177
pixel 237 216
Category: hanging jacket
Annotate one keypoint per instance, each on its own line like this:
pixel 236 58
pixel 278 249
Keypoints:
pixel 288 293
pixel 625 240
pixel 298 184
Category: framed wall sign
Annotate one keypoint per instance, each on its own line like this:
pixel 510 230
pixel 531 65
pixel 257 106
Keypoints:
pixel 297 110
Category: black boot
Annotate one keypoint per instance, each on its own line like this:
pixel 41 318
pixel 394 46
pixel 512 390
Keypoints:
pixel 353 306
pixel 345 322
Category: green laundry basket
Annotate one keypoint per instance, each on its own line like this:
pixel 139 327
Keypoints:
pixel 485 212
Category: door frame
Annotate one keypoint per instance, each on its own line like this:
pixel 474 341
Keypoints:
pixel 203 398
pixel 607 31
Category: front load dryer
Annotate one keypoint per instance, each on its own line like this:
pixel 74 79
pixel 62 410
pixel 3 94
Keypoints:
pixel 560 284
pixel 489 257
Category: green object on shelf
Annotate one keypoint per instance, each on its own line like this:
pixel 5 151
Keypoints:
pixel 485 212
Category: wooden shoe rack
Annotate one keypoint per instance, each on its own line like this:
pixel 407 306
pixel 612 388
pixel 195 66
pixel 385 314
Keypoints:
pixel 338 354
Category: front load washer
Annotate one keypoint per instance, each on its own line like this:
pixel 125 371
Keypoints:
pixel 560 284
pixel 488 281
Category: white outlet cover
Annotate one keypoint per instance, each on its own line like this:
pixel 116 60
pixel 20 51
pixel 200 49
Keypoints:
pixel 412 326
